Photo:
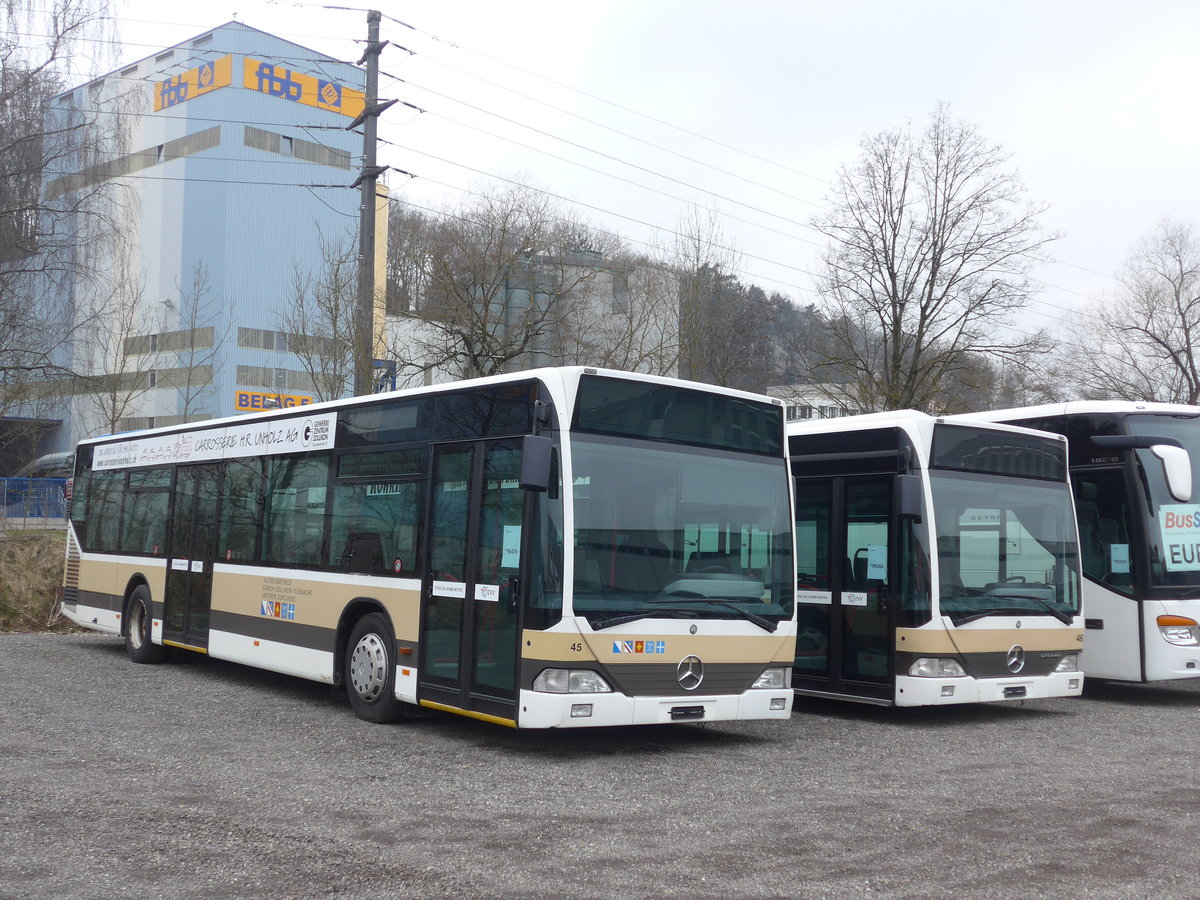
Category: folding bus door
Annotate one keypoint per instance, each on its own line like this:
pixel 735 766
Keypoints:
pixel 845 630
pixel 191 548
pixel 471 596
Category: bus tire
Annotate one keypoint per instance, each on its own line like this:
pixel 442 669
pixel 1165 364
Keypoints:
pixel 371 670
pixel 137 629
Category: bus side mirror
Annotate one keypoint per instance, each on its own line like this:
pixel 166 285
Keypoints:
pixel 908 497
pixel 1177 469
pixel 535 462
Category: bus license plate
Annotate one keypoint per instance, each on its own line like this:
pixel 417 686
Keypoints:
pixel 684 713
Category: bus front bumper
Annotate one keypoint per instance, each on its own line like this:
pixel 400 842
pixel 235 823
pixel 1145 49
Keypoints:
pixel 543 710
pixel 912 691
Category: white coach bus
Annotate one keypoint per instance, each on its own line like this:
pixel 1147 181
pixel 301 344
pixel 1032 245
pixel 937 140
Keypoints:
pixel 1133 467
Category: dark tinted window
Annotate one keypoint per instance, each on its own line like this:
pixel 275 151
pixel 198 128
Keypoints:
pixel 104 510
pixel 998 453
pixel 491 412
pixel 387 462
pixel 374 527
pixel 241 510
pixel 389 422
pixel 295 523
pixel 667 413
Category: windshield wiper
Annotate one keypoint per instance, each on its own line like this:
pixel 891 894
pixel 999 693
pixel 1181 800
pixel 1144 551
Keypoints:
pixel 609 621
pixel 760 621
pixel 1062 616
pixel 1188 593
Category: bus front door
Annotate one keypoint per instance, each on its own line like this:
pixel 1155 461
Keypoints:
pixel 844 621
pixel 471 595
pixel 191 549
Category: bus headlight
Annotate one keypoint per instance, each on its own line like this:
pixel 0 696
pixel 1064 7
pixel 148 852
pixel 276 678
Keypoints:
pixel 1069 663
pixel 1179 630
pixel 936 667
pixel 571 681
pixel 773 680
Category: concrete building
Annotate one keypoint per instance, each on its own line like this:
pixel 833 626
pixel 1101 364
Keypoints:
pixel 228 165
pixel 813 401
pixel 578 308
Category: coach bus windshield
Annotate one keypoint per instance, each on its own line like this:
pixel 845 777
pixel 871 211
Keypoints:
pixel 668 530
pixel 1172 528
pixel 1006 546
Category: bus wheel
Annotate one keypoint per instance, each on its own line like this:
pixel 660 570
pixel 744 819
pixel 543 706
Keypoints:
pixel 137 629
pixel 371 670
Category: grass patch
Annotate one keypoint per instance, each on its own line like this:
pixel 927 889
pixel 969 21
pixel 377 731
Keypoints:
pixel 31 576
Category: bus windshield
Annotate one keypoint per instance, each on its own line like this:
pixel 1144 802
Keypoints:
pixel 1006 546
pixel 666 530
pixel 1173 529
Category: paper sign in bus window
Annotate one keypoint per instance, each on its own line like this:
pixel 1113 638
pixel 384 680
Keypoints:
pixel 877 561
pixel 1118 559
pixel 1179 524
pixel 511 558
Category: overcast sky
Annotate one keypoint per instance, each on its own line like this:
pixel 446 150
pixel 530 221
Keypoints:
pixel 752 106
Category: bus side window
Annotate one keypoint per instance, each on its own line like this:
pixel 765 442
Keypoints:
pixel 295 522
pixel 373 527
pixel 242 510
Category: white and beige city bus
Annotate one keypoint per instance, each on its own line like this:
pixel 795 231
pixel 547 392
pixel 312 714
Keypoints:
pixel 937 563
pixel 1133 467
pixel 556 548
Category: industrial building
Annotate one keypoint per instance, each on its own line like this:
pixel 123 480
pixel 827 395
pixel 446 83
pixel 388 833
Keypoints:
pixel 227 165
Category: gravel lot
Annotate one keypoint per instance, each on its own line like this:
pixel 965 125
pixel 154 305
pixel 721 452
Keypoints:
pixel 201 778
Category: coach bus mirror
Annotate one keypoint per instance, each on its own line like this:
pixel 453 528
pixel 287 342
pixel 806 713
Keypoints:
pixel 535 462
pixel 908 497
pixel 1177 469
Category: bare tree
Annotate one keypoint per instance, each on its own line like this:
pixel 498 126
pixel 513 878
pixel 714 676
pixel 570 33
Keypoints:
pixel 627 318
pixel 322 320
pixel 723 323
pixel 38 250
pixel 499 277
pixel 121 358
pixel 931 243
pixel 1142 344
pixel 196 346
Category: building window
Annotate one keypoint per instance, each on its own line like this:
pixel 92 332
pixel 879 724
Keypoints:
pixel 280 379
pixel 152 377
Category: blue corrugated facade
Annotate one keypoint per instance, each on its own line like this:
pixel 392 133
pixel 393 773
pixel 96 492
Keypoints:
pixel 236 148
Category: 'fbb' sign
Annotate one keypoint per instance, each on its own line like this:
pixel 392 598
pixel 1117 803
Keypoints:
pixel 253 400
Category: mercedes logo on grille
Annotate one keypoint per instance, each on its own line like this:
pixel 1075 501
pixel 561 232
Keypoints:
pixel 1016 658
pixel 690 673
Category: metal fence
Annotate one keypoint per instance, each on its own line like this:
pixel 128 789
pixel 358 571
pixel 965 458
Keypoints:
pixel 34 498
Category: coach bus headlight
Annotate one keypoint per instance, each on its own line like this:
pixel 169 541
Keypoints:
pixel 1179 630
pixel 774 679
pixel 936 667
pixel 1069 663
pixel 571 681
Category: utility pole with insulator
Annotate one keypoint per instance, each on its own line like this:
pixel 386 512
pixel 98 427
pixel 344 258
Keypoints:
pixel 364 331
